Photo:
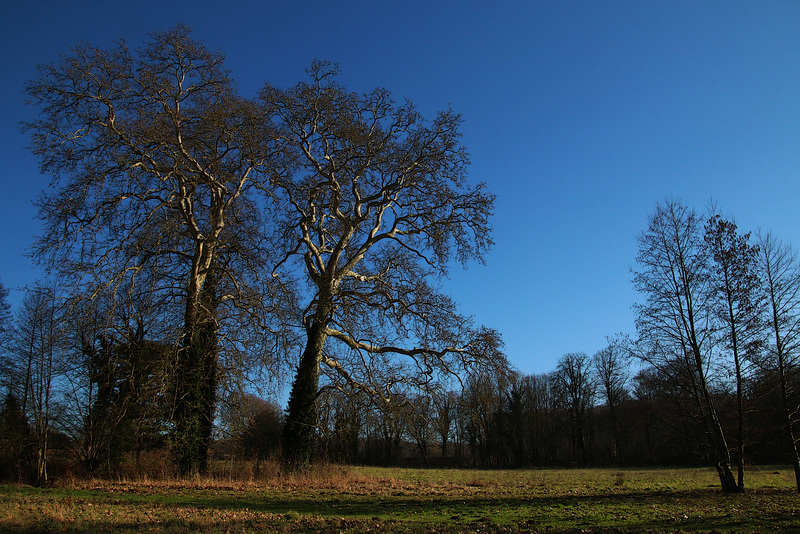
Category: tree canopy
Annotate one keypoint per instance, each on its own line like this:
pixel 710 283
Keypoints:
pixel 156 162
pixel 375 206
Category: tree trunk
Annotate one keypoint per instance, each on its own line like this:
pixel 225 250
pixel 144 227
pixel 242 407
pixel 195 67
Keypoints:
pixel 718 443
pixel 739 425
pixel 739 392
pixel 795 454
pixel 196 377
pixel 787 420
pixel 301 417
pixel 612 408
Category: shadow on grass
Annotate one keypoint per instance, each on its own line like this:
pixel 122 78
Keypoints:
pixel 661 511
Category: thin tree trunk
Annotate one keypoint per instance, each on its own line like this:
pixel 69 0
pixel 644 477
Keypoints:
pixel 740 425
pixel 787 412
pixel 716 434
pixel 719 447
pixel 739 393
pixel 612 408
pixel 722 457
pixel 788 422
pixel 45 383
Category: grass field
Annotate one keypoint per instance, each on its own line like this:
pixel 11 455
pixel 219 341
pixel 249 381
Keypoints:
pixel 355 499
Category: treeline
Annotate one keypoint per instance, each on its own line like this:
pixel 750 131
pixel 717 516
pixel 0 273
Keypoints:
pixel 558 419
pixel 590 411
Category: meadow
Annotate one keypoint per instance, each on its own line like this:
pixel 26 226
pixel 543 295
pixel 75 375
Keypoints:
pixel 365 499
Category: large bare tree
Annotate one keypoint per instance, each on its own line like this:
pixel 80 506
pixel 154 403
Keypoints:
pixel 676 322
pixel 155 160
pixel 375 208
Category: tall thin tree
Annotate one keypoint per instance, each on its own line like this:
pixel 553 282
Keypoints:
pixel 738 308
pixel 675 323
pixel 780 273
pixel 611 370
pixel 38 342
pixel 576 386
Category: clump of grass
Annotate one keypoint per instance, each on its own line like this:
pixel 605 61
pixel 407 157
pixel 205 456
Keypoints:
pixel 325 475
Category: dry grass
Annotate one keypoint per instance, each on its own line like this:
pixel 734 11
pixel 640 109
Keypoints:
pixel 352 499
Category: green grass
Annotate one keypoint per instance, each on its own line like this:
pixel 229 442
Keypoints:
pixel 410 500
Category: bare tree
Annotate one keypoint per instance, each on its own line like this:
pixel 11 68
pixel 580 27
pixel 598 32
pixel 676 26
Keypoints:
pixel 6 331
pixel 514 421
pixel 418 418
pixel 576 386
pixel 444 406
pixel 542 422
pixel 371 215
pixel 611 369
pixel 341 420
pixel 252 427
pixel 482 404
pixel 737 306
pixel 38 343
pixel 645 390
pixel 388 425
pixel 676 324
pixel 156 160
pixel 461 427
pixel 113 380
pixel 780 274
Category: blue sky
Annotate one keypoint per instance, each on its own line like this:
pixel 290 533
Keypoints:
pixel 579 115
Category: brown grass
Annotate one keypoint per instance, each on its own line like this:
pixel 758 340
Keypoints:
pixel 334 498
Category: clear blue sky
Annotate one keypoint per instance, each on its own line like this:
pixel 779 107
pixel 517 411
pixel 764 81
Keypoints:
pixel 579 115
